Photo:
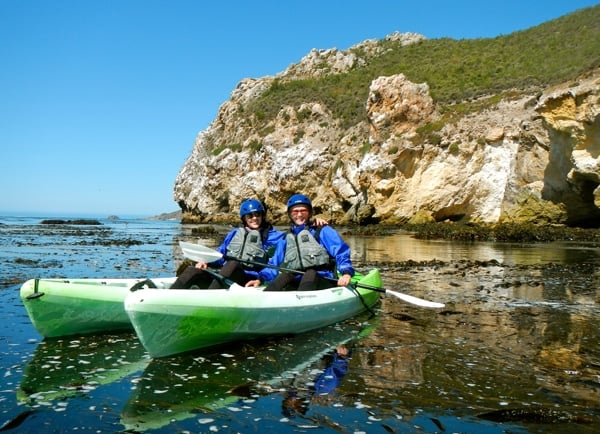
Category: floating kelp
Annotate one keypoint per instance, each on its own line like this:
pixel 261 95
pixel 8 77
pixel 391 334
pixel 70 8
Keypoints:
pixel 501 232
pixel 86 222
pixel 539 415
pixel 484 352
pixel 17 421
pixel 204 231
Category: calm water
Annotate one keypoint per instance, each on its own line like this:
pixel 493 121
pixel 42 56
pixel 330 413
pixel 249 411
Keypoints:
pixel 515 350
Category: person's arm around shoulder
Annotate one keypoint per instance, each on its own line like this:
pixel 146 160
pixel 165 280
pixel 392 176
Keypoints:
pixel 273 237
pixel 319 222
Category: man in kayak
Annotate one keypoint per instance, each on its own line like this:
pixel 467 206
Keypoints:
pixel 244 249
pixel 318 253
pixel 252 242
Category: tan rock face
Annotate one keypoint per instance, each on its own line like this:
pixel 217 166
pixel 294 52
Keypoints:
pixel 396 106
pixel 572 118
pixel 524 159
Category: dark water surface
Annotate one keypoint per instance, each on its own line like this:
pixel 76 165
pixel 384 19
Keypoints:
pixel 516 350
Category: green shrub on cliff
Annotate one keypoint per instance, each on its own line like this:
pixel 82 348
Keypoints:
pixel 456 70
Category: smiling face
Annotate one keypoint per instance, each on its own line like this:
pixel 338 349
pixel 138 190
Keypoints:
pixel 299 214
pixel 253 220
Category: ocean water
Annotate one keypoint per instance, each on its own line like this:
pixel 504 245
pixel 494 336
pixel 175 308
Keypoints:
pixel 514 350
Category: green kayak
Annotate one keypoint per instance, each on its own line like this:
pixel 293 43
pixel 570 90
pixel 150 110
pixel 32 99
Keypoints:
pixel 182 320
pixel 63 307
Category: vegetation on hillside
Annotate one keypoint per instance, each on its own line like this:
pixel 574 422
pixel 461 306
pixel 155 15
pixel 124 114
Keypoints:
pixel 457 71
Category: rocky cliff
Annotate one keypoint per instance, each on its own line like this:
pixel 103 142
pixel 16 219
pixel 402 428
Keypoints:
pixel 520 157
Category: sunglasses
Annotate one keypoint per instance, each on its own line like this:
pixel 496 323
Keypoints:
pixel 253 214
pixel 299 211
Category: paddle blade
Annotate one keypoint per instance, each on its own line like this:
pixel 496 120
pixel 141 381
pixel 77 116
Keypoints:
pixel 414 300
pixel 196 252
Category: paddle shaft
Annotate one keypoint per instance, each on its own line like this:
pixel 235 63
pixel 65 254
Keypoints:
pixel 405 297
pixel 290 270
pixel 408 298
pixel 201 253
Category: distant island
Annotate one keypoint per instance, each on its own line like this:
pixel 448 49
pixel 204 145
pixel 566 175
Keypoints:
pixel 175 215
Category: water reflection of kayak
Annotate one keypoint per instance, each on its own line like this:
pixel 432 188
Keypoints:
pixel 69 367
pixel 183 386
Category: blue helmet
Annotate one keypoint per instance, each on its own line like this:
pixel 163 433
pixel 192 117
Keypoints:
pixel 299 199
pixel 251 205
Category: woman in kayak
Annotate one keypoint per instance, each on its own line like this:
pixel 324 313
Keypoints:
pixel 251 242
pixel 244 249
pixel 316 252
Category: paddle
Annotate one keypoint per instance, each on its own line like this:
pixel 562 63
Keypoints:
pixel 197 252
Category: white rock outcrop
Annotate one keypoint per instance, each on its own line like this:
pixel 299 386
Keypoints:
pixel 534 158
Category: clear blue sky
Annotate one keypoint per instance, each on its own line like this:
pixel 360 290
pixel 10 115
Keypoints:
pixel 100 101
